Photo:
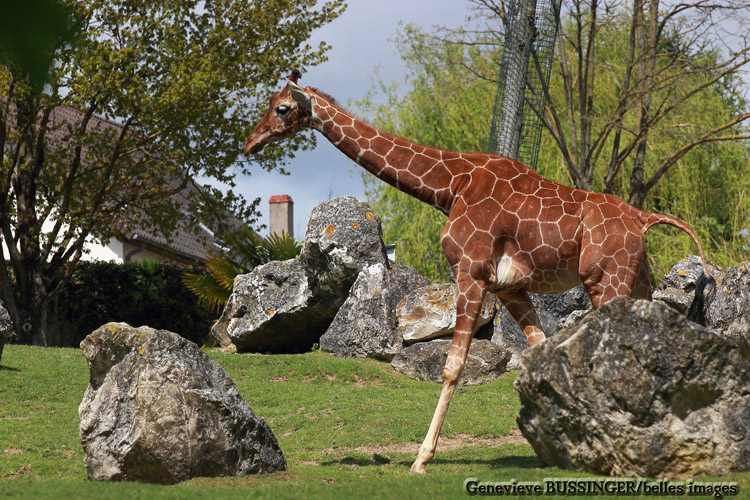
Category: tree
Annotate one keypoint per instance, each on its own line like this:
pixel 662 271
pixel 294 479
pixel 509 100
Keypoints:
pixel 30 34
pixel 689 149
pixel 672 54
pixel 185 79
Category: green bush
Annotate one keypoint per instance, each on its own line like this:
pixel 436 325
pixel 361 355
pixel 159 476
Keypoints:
pixel 140 293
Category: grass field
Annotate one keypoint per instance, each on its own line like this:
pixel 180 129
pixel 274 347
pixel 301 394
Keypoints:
pixel 348 428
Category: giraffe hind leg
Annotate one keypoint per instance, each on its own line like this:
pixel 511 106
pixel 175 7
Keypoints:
pixel 522 310
pixel 612 279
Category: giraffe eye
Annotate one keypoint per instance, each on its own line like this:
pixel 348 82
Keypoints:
pixel 283 109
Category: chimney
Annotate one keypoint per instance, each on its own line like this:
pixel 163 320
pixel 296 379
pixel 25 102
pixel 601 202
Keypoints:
pixel 281 214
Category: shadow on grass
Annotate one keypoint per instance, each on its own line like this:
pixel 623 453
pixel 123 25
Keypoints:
pixel 8 369
pixel 495 463
pixel 518 462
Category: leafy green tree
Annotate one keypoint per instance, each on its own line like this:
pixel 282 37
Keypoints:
pixel 185 79
pixel 694 165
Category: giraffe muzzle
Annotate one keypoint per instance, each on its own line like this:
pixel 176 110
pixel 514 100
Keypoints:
pixel 252 146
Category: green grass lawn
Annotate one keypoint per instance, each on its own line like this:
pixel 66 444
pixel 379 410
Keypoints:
pixel 348 428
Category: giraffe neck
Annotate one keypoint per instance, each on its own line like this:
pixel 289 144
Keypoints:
pixel 423 172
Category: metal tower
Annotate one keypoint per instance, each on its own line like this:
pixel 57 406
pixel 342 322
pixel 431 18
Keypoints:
pixel 524 72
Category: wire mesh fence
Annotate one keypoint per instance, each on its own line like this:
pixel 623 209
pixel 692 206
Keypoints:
pixel 524 73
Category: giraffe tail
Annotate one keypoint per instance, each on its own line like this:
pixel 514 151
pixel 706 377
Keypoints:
pixel 705 285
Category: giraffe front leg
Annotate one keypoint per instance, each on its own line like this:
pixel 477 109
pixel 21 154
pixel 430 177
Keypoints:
pixel 468 305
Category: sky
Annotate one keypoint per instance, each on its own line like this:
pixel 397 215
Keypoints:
pixel 362 41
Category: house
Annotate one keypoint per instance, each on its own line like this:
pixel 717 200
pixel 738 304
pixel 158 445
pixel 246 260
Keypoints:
pixel 184 247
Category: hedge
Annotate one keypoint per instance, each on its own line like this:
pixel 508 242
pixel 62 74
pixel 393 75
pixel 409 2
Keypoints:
pixel 140 293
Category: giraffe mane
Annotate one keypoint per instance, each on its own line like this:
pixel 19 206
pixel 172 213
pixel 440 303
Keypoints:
pixel 327 97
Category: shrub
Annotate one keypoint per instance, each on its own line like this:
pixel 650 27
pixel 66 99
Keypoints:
pixel 138 293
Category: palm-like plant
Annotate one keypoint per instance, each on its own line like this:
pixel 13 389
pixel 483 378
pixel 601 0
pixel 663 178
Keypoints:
pixel 247 250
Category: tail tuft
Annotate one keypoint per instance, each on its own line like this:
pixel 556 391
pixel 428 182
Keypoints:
pixel 705 288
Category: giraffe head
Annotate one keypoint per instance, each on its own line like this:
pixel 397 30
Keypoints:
pixel 289 111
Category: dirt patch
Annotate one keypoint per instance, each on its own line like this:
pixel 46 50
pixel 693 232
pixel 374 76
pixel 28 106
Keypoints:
pixel 362 382
pixel 25 469
pixel 444 444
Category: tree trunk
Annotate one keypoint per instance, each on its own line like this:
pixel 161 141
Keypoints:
pixel 646 47
pixel 33 314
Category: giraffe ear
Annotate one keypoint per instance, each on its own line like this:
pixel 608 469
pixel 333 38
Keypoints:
pixel 300 97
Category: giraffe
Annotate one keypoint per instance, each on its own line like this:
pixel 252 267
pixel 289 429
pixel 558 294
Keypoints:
pixel 509 230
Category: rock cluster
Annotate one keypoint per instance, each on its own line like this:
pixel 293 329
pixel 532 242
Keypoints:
pixel 635 389
pixel 159 410
pixel 343 294
pixel 287 306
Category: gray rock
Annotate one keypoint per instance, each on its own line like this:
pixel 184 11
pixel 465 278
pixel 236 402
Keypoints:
pixel 551 310
pixel 729 312
pixel 636 389
pixel 274 309
pixel 159 410
pixel 365 325
pixel 677 288
pixel 343 237
pixel 287 306
pixel 430 312
pixel 218 333
pixel 425 361
pixel 6 329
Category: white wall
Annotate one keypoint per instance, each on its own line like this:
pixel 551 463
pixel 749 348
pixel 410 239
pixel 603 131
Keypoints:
pixel 93 251
pixel 111 252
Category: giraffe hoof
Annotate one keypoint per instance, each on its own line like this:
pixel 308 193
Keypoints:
pixel 417 468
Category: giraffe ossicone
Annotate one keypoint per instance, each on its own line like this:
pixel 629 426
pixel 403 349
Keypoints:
pixel 510 231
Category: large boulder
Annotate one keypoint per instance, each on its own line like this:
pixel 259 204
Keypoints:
pixel 365 325
pixel 159 410
pixel 425 361
pixel 6 328
pixel 635 389
pixel 274 309
pixel 551 310
pixel 343 237
pixel 430 312
pixel 287 306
